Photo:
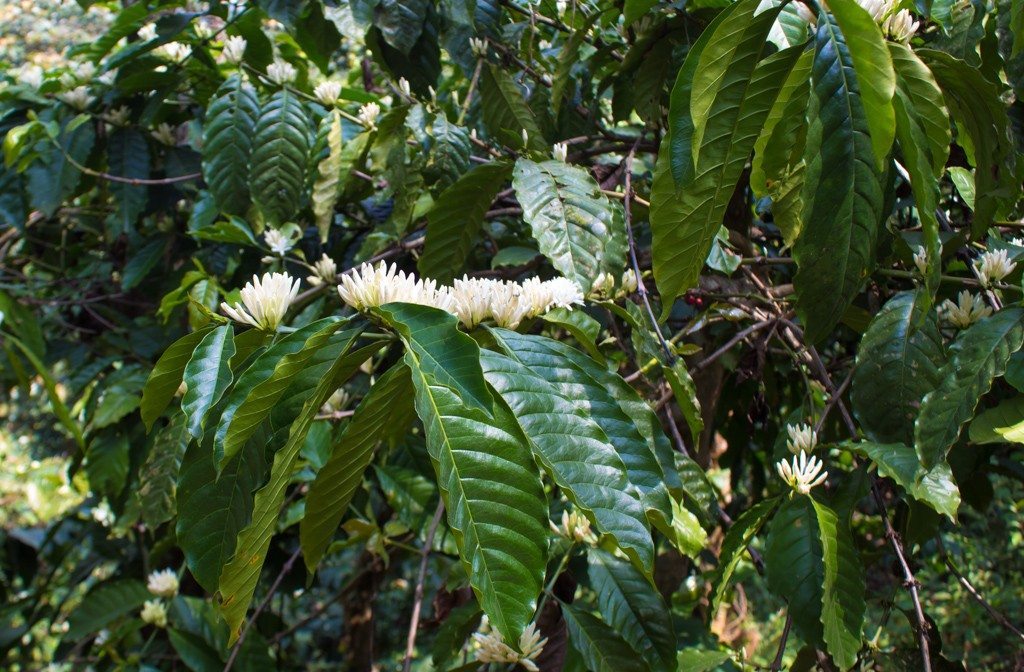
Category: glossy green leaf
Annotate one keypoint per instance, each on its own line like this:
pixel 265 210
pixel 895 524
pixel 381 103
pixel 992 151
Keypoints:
pixel 899 462
pixel 576 227
pixel 580 325
pixel 1001 424
pixel 158 477
pixel 401 22
pixel 794 566
pixel 207 376
pixel 505 111
pixel 387 406
pixel 328 176
pixel 166 377
pixel 842 193
pixel 734 546
pixel 103 605
pixel 928 107
pixel 843 606
pixel 897 365
pixel 575 452
pixel 633 608
pixel 977 357
pixel 453 224
pixel 54 177
pixel 228 141
pixel 601 648
pixel 280 149
pixel 128 157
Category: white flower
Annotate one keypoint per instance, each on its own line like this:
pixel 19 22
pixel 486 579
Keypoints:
pixel 278 243
pixel 478 46
pixel 102 637
pixel 119 115
pixel 325 272
pixel 163 583
pixel 154 613
pixel 629 281
pixel 176 51
pixel 404 88
pixel 83 70
pixel 803 474
pixel 921 260
pixel 968 310
pixel 281 72
pixel 164 134
pixel 1017 242
pixel 993 267
pixel 31 75
pixel 234 49
pixel 530 646
pixel 900 27
pixel 526 138
pixel 603 284
pixel 108 77
pixel 492 649
pixel 576 527
pixel 373 286
pixel 802 439
pixel 77 98
pixel 555 293
pixel 327 92
pixel 265 300
pixel 560 151
pixel 147 32
pixel 368 114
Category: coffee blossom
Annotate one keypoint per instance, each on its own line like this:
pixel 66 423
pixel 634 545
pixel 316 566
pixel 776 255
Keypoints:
pixel 154 613
pixel 77 98
pixel 804 473
pixel 368 114
pixel 278 243
pixel 921 260
pixel 576 527
pixel 281 72
pixel 264 301
pixel 493 649
pixel 966 311
pixel 993 267
pixel 802 439
pixel 234 49
pixel 164 134
pixel 163 583
pixel 373 286
pixel 327 92
pixel 325 271
pixel 560 151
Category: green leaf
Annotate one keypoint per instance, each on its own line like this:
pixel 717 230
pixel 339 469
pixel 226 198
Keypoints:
pixel 581 326
pixel 401 22
pixel 453 224
pixel 842 193
pixel 158 476
pixel 633 608
pixel 104 605
pixel 165 379
pixel 575 452
pixel 318 37
pixel 734 546
pixel 206 376
pixel 978 356
pixel 106 464
pixel 896 366
pixel 281 143
pixel 228 141
pixel 445 354
pixel 505 111
pixel 491 489
pixel 794 566
pixel 899 462
pixel 53 178
pixel 212 508
pixel 698 660
pixel 128 157
pixel 240 575
pixel 59 408
pixel 843 606
pixel 328 176
pixel 387 406
pixel 1001 424
pixel 684 222
pixel 928 107
pixel 601 648
pixel 261 385
pixel 576 227
pixel 874 72
pixel 142 262
pixel 687 534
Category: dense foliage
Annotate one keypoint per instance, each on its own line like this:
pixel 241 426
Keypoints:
pixel 402 334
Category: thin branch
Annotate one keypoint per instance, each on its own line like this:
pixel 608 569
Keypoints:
pixel 710 359
pixel 992 611
pixel 777 663
pixel 410 640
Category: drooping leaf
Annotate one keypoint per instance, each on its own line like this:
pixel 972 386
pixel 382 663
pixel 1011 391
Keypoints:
pixel 166 377
pixel 631 605
pixel 325 187
pixel 207 376
pixel 505 111
pixel 106 464
pixel 928 107
pixel 897 365
pixel 386 406
pixel 899 462
pixel 977 357
pixel 158 476
pixel 600 646
pixel 1000 424
pixel 842 193
pixel 843 606
pixel 575 452
pixel 227 143
pixel 401 22
pixel 105 604
pixel 453 224
pixel 128 157
pixel 281 143
pixel 734 546
pixel 794 566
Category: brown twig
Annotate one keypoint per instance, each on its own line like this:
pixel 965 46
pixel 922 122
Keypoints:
pixel 777 663
pixel 414 623
pixel 992 611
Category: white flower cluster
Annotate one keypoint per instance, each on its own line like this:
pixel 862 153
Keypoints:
pixel 921 260
pixel 368 114
pixel 966 311
pixel 278 243
pixel 325 271
pixel 154 613
pixel 234 49
pixel 163 583
pixel 491 648
pixel 176 51
pixel 472 300
pixel 994 266
pixel 164 134
pixel 898 26
pixel 264 301
pixel 604 283
pixel 327 92
pixel 560 151
pixel 803 474
pixel 576 527
pixel 77 98
pixel 281 72
pixel 802 439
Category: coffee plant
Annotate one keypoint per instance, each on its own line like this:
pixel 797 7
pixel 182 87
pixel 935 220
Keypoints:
pixel 610 336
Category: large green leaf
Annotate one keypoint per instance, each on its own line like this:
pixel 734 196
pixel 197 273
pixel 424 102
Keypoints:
pixel 240 575
pixel 1001 424
pixel 505 111
pixel 262 384
pixel 453 224
pixel 328 176
pixel 158 476
pixel 600 646
pixel 899 462
pixel 207 376
pixel 794 566
pixel 843 606
pixel 896 366
pixel 401 22
pixel 489 482
pixel 165 379
pixel 212 508
pixel 597 393
pixel 735 544
pixel 53 178
pixel 684 222
pixel 128 157
pixel 387 408
pixel 978 356
pixel 576 227
pixel 227 143
pixel 631 605
pixel 842 193
pixel 105 604
pixel 575 452
pixel 281 143
pixel 928 107
pixel 447 355
pixel 874 69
